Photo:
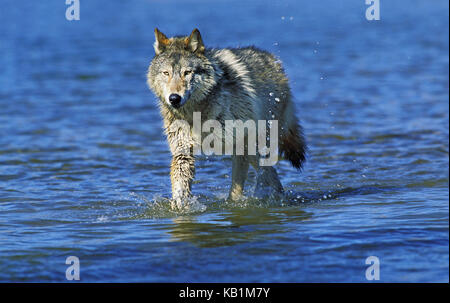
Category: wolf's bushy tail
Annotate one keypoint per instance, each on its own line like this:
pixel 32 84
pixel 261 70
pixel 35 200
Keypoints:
pixel 293 146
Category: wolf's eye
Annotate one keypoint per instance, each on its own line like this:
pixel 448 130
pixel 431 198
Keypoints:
pixel 188 72
pixel 166 73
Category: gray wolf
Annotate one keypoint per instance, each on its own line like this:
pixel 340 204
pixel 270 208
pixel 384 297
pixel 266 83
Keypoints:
pixel 222 84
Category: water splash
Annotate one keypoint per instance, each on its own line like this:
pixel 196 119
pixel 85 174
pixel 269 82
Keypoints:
pixel 162 207
pixel 188 206
pixel 102 219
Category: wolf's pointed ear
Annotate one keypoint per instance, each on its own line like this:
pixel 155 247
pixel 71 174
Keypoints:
pixel 194 42
pixel 161 42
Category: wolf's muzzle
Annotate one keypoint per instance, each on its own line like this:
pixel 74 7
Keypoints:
pixel 175 100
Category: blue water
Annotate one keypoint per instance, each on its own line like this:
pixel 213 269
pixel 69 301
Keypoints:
pixel 84 165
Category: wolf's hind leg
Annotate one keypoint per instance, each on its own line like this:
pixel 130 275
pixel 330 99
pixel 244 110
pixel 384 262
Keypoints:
pixel 239 175
pixel 267 181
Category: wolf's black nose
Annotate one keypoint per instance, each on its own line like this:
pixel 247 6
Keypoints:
pixel 175 99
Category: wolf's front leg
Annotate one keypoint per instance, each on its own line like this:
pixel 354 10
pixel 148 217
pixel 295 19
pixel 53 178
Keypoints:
pixel 182 168
pixel 182 172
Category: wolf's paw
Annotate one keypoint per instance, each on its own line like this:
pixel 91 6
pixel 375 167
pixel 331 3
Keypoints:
pixel 177 203
pixel 235 196
pixel 187 205
pixel 268 193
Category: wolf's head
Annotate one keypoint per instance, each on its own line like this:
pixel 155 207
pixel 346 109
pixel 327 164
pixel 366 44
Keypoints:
pixel 180 73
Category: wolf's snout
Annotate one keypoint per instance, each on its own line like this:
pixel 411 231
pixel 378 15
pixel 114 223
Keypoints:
pixel 175 100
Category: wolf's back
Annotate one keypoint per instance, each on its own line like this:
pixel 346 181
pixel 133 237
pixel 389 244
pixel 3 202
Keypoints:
pixel 261 74
pixel 272 87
